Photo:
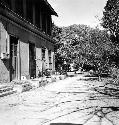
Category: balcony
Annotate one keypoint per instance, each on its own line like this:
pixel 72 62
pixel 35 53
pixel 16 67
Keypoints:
pixel 12 16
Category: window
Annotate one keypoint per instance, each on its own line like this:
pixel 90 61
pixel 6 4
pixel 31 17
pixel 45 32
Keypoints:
pixel 32 60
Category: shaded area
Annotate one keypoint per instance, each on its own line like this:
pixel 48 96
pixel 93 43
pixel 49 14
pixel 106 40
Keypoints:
pixel 89 79
pixel 107 91
pixel 64 124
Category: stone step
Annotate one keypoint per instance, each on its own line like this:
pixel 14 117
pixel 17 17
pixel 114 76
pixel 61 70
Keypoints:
pixel 5 88
pixel 6 93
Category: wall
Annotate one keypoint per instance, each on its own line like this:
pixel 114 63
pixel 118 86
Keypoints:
pixel 4 71
pixel 4 64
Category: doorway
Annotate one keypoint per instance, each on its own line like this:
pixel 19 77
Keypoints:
pixel 13 58
pixel 32 60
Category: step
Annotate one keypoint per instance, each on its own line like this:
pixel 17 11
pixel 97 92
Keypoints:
pixel 6 93
pixel 6 88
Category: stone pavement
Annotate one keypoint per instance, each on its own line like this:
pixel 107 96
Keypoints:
pixel 72 101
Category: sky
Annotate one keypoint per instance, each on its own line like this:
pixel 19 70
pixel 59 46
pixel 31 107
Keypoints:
pixel 88 12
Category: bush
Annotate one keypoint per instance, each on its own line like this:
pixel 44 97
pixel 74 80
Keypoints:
pixel 115 73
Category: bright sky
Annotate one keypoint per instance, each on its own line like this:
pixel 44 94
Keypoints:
pixel 78 11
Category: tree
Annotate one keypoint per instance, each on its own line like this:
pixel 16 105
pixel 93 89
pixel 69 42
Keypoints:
pixel 56 34
pixel 80 44
pixel 110 19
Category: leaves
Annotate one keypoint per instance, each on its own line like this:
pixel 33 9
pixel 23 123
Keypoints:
pixel 110 19
pixel 81 44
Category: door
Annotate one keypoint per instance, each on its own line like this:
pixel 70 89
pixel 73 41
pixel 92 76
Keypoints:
pixel 13 58
pixel 32 60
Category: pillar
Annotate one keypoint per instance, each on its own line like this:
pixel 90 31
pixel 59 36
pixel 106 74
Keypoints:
pixel 38 61
pixel 19 61
pixel 46 58
pixel 53 61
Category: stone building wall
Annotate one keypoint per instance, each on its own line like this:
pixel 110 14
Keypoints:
pixel 24 37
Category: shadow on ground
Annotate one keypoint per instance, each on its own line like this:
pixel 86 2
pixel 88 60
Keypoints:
pixel 64 124
pixel 88 79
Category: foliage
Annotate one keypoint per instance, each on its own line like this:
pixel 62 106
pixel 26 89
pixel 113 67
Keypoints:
pixel 56 31
pixel 110 19
pixel 80 44
pixel 114 73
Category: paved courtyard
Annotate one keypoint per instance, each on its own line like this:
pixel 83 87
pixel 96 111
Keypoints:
pixel 72 101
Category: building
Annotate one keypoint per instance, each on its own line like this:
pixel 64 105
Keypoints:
pixel 26 46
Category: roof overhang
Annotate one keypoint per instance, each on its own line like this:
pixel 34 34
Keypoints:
pixel 50 7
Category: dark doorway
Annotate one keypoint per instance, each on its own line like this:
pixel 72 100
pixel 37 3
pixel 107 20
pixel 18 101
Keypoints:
pixel 32 60
pixel 13 58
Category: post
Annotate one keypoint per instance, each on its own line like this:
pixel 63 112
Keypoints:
pixel 19 62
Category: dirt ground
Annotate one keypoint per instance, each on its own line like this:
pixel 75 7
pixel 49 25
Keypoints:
pixel 76 100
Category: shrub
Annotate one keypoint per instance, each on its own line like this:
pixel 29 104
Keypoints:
pixel 115 73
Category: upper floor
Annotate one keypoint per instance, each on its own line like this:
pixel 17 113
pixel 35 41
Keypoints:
pixel 36 12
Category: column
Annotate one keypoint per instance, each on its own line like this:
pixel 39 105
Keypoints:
pixel 38 61
pixel 46 58
pixel 53 61
pixel 8 44
pixel 19 61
